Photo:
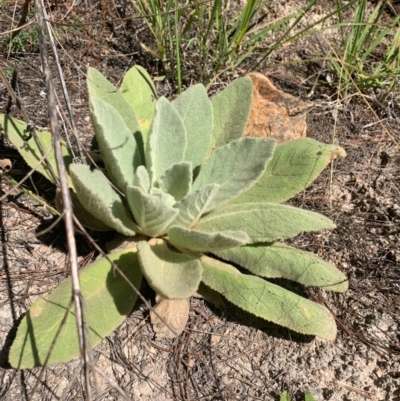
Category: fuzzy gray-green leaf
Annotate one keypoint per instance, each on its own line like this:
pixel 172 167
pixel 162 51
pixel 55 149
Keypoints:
pixel 99 86
pixel 172 275
pixel 177 180
pixel 231 109
pixel 195 109
pixel 293 167
pixel 206 242
pixel 138 90
pixel 268 301
pixel 166 143
pixel 98 197
pixel 192 206
pixel 16 132
pixel 235 167
pixel 153 212
pixel 109 299
pixel 282 261
pixel 141 178
pixel 117 145
pixel 264 222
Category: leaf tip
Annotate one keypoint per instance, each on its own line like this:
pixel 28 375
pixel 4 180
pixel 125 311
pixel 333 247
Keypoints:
pixel 337 152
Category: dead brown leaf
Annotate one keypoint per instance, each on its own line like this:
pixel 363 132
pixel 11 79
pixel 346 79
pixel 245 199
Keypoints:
pixel 169 317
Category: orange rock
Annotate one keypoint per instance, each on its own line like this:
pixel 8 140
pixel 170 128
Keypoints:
pixel 274 113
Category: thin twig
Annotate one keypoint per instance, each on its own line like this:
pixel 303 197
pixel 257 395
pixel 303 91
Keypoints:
pixel 81 320
pixel 65 92
pixel 113 383
pixel 19 28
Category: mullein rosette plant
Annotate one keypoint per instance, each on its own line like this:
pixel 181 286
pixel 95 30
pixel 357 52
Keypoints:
pixel 201 205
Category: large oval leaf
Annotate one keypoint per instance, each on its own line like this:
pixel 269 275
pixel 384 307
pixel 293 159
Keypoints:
pixel 117 145
pixel 177 180
pixel 166 143
pixel 293 167
pixel 195 109
pixel 85 218
pixel 264 222
pixel 171 274
pixel 16 132
pixel 108 299
pixel 99 86
pixel 231 109
pixel 206 242
pixel 235 167
pixel 268 301
pixel 282 261
pixel 98 197
pixel 139 91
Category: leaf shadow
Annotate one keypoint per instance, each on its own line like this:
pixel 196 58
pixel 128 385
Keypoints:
pixel 5 350
pixel 118 287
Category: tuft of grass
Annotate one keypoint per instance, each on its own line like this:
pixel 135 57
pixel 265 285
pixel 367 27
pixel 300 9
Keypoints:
pixel 210 36
pixel 367 53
